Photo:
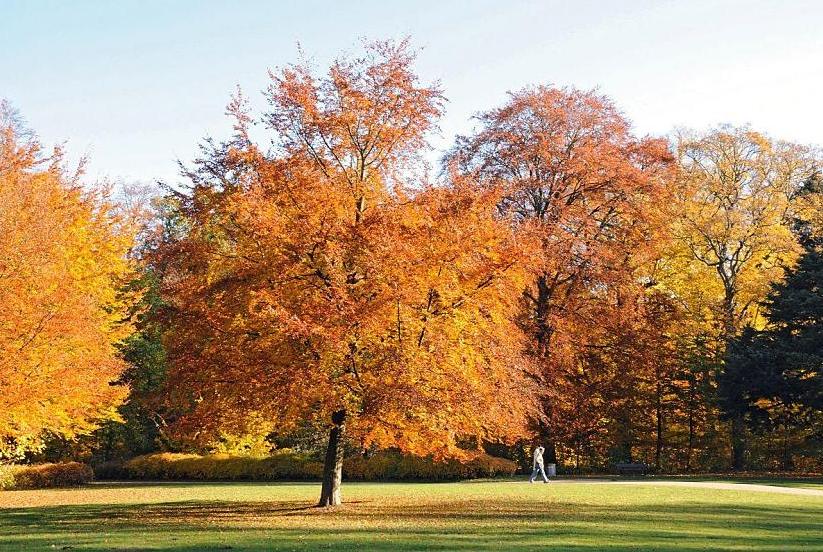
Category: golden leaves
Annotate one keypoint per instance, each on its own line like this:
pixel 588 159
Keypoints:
pixel 63 266
pixel 736 196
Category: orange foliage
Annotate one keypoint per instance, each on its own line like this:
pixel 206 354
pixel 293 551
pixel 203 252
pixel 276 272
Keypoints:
pixel 62 263
pixel 317 278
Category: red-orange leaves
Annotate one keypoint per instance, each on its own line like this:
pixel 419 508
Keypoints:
pixel 579 184
pixel 326 282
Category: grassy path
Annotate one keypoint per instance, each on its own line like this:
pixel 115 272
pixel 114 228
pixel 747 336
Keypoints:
pixel 488 515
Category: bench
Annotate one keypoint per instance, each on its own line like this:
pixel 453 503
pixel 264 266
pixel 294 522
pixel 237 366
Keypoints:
pixel 631 468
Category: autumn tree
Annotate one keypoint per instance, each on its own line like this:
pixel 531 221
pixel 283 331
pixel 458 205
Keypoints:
pixel 63 262
pixel 735 198
pixel 732 224
pixel 322 280
pixel 577 181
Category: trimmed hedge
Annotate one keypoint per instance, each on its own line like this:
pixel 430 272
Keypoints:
pixel 43 476
pixel 383 466
pixel 391 465
pixel 174 466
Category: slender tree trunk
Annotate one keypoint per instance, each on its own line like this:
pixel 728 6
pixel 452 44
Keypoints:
pixel 658 452
pixel 738 429
pixel 577 458
pixel 738 425
pixel 788 464
pixel 729 315
pixel 541 314
pixel 627 445
pixel 691 436
pixel 333 467
pixel 658 403
pixel 551 452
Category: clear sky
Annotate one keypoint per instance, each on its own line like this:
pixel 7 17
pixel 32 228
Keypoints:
pixel 136 84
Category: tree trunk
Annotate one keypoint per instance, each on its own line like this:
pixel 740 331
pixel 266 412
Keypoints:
pixel 691 436
pixel 627 444
pixel 738 429
pixel 738 425
pixel 333 467
pixel 551 452
pixel 577 458
pixel 729 314
pixel 541 315
pixel 788 463
pixel 658 396
pixel 658 449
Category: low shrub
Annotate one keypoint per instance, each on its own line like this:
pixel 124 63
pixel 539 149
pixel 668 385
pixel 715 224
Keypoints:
pixel 175 466
pixel 43 476
pixel 110 470
pixel 7 477
pixel 808 464
pixel 392 465
pixel 287 465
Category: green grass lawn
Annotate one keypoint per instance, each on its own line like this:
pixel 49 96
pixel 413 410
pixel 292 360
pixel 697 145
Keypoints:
pixel 798 483
pixel 486 515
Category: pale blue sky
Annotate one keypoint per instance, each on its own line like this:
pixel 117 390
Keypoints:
pixel 136 84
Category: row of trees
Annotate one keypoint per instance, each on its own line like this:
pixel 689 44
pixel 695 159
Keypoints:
pixel 557 279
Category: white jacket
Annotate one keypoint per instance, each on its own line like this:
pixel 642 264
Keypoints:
pixel 538 458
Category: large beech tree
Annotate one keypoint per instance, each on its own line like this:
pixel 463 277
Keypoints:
pixel 582 186
pixel 736 202
pixel 738 197
pixel 63 264
pixel 317 281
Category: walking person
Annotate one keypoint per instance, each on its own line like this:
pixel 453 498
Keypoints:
pixel 537 465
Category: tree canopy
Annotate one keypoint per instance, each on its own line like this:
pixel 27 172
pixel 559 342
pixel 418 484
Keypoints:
pixel 63 306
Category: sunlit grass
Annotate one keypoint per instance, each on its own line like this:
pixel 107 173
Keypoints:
pixel 450 516
pixel 798 483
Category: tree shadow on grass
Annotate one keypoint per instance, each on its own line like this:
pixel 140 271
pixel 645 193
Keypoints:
pixel 376 525
pixel 126 483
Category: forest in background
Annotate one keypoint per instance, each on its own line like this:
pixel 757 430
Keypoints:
pixel 556 279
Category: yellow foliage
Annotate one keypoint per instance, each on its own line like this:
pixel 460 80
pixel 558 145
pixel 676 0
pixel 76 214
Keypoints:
pixel 62 309
pixel 731 223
